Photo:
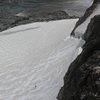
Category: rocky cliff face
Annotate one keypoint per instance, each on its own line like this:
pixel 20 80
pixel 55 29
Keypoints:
pixel 82 81
pixel 90 13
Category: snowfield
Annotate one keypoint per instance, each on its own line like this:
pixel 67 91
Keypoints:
pixel 34 59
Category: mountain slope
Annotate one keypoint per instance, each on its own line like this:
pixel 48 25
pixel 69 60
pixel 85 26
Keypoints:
pixel 82 24
pixel 82 82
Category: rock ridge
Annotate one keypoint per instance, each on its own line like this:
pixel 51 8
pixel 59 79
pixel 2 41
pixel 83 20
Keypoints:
pixel 82 81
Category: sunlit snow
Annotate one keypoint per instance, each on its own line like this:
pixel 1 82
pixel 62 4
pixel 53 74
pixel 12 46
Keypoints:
pixel 34 59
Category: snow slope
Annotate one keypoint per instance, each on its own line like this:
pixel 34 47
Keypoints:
pixel 34 59
pixel 80 30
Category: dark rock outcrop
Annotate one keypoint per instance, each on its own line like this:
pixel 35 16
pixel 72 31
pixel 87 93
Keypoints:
pixel 82 81
pixel 96 1
pixel 8 21
pixel 88 12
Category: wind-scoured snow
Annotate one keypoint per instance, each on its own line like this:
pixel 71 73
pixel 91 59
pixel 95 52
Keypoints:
pixel 34 59
pixel 80 30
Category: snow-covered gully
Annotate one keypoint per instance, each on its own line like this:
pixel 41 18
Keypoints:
pixel 81 29
pixel 34 59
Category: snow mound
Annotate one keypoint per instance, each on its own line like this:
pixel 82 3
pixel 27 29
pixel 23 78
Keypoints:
pixel 34 59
